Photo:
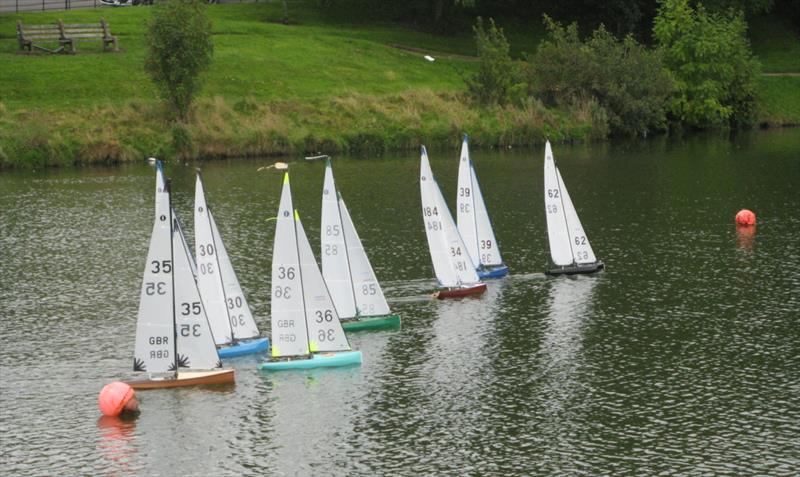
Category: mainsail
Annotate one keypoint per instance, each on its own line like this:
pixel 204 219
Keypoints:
pixel 288 323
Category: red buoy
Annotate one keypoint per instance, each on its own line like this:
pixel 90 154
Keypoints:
pixel 117 397
pixel 745 217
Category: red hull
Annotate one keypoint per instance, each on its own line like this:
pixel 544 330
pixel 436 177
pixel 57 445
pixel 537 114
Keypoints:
pixel 224 376
pixel 461 291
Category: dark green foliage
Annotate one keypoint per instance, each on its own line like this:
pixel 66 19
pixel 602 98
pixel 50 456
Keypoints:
pixel 179 49
pixel 709 55
pixel 626 79
pixel 497 74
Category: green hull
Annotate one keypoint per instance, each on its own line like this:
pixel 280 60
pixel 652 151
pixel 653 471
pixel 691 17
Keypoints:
pixel 384 322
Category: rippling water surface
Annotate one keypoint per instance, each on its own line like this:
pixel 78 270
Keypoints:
pixel 683 357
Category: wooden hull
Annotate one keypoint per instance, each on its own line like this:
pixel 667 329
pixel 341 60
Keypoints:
pixel 317 360
pixel 187 378
pixel 372 323
pixel 244 347
pixel 460 291
pixel 494 272
pixel 576 269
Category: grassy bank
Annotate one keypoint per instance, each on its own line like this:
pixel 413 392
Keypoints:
pixel 313 86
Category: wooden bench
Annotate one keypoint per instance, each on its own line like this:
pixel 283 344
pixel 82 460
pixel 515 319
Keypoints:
pixel 32 36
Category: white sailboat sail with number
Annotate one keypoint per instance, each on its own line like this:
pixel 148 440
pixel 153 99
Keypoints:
pixel 355 290
pixel 306 331
pixel 570 250
pixel 174 344
pixel 473 221
pixel 232 322
pixel 451 262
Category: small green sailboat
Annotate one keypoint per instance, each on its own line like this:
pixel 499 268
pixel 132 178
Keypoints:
pixel 355 291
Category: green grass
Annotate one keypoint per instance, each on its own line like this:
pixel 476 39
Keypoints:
pixel 775 43
pixel 316 85
pixel 779 100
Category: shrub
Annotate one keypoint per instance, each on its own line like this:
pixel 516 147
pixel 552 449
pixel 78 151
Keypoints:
pixel 496 75
pixel 709 55
pixel 179 49
pixel 625 79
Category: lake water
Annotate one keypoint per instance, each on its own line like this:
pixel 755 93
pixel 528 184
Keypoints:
pixel 683 357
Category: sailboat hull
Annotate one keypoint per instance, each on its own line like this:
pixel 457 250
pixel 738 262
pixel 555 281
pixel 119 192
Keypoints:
pixel 244 347
pixel 575 269
pixel 317 360
pixel 460 291
pixel 494 272
pixel 372 323
pixel 187 378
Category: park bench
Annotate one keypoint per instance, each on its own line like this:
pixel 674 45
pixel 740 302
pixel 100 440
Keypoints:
pixel 33 36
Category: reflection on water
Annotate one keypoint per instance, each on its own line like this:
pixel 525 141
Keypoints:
pixel 116 444
pixel 681 358
pixel 746 237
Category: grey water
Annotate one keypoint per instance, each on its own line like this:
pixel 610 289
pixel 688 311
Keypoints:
pixel 682 358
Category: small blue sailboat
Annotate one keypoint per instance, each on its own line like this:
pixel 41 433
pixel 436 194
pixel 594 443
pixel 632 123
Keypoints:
pixel 473 221
pixel 235 331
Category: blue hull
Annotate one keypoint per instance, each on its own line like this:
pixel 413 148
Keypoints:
pixel 497 272
pixel 321 360
pixel 244 347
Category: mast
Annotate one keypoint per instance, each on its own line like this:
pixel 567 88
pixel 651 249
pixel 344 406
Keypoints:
pixel 168 190
pixel 300 272
pixel 561 198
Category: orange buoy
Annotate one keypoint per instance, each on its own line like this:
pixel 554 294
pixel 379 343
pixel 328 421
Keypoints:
pixel 745 217
pixel 117 397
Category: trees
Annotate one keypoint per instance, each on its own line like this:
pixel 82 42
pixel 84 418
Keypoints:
pixel 709 56
pixel 179 49
pixel 624 77
pixel 496 75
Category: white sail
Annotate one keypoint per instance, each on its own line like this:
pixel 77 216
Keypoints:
pixel 568 242
pixel 366 288
pixel 335 263
pixel 196 348
pixel 162 199
pixel 154 350
pixel 325 331
pixel 209 278
pixel 581 249
pixel 451 261
pixel 241 318
pixel 557 232
pixel 288 322
pixel 473 217
pixel 345 266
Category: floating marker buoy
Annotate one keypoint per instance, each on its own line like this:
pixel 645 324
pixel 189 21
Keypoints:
pixel 429 58
pixel 745 217
pixel 282 166
pixel 117 397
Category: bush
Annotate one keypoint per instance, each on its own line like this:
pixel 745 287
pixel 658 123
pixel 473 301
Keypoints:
pixel 497 74
pixel 625 79
pixel 709 55
pixel 179 49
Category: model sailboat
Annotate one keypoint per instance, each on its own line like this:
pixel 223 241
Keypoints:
pixel 569 247
pixel 348 274
pixel 231 321
pixel 473 221
pixel 451 262
pixel 306 332
pixel 174 344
